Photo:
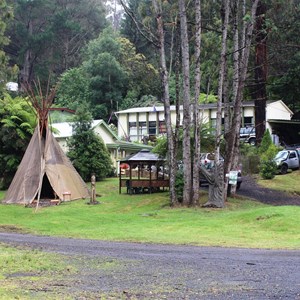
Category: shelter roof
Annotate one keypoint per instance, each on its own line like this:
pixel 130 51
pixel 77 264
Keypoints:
pixel 128 146
pixel 143 156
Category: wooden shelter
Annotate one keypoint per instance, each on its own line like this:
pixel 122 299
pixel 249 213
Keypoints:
pixel 143 172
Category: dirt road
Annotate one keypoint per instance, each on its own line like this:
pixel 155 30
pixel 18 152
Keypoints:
pixel 148 271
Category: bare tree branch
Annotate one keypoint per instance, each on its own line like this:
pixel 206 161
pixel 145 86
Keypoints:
pixel 149 36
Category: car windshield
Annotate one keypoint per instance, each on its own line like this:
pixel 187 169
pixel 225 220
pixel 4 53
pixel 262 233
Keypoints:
pixel 247 130
pixel 281 155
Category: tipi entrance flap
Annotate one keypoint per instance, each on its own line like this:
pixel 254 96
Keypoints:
pixel 61 174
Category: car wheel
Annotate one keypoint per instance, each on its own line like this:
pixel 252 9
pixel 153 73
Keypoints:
pixel 283 169
pixel 252 142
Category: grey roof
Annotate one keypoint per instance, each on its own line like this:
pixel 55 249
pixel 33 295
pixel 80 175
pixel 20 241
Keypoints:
pixel 143 156
pixel 173 108
pixel 128 146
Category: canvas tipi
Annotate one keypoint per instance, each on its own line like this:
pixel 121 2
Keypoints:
pixel 45 172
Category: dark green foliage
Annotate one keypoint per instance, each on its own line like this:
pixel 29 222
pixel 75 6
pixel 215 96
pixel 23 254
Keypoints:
pixel 142 10
pixel 107 81
pixel 132 100
pixel 268 169
pixel 17 124
pixel 73 80
pixel 87 151
pixel 6 14
pixel 179 185
pixel 161 147
pixel 284 55
pixel 266 142
pixel 207 142
pixel 287 87
pixel 267 151
pixel 111 72
pixel 47 36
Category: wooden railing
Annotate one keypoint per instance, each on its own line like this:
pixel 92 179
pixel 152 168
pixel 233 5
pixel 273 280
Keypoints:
pixel 143 185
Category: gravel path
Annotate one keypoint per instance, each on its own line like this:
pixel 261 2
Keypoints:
pixel 146 271
pixel 251 189
pixel 110 270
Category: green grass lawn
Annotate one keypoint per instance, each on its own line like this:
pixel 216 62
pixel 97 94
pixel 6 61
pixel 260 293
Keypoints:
pixel 148 218
pixel 288 182
pixel 27 274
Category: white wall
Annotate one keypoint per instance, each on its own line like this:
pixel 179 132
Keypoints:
pixel 278 111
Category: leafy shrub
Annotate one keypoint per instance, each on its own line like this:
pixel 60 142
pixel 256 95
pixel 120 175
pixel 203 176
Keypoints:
pixel 268 169
pixel 179 184
pixel 17 123
pixel 267 151
pixel 266 142
pixel 87 151
pixel 270 153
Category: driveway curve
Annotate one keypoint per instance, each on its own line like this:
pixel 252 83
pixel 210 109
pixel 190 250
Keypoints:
pixel 151 271
pixel 251 189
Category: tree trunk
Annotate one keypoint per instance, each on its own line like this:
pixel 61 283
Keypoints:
pixel 177 90
pixel 260 72
pixel 187 191
pixel 220 187
pixel 225 19
pixel 166 99
pixel 230 136
pixel 26 70
pixel 233 135
pixel 196 120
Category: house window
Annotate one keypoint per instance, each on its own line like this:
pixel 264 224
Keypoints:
pixel 152 128
pixel 213 122
pixel 248 121
pixel 162 127
pixel 133 134
pixel 142 129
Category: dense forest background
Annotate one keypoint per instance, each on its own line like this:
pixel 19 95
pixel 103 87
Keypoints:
pixel 105 58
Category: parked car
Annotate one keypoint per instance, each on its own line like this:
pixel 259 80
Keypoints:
pixel 247 135
pixel 287 159
pixel 207 160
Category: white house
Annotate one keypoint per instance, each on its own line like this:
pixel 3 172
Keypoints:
pixel 117 147
pixel 136 123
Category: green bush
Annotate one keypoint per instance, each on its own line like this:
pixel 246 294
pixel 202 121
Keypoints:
pixel 179 184
pixel 87 151
pixel 17 123
pixel 268 169
pixel 270 153
pixel 267 152
pixel 266 142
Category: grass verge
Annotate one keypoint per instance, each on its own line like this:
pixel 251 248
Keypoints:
pixel 288 183
pixel 148 218
pixel 31 274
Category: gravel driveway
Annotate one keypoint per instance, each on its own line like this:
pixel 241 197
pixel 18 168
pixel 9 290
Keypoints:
pixel 148 271
pixel 251 189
